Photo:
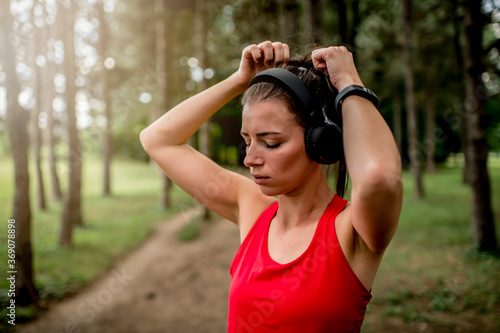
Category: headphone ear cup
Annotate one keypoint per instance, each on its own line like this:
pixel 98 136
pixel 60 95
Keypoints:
pixel 324 144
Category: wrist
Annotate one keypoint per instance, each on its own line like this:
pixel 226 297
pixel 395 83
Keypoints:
pixel 346 83
pixel 239 85
pixel 356 90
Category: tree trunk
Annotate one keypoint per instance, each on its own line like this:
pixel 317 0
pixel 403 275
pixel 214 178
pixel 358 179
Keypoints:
pixel 410 103
pixel 482 221
pixel 56 28
pixel 161 32
pixel 288 21
pixel 39 39
pixel 17 121
pixel 201 30
pixel 342 16
pixel 253 14
pixel 461 90
pixel 430 129
pixel 356 20
pixel 464 144
pixel 72 214
pixel 107 136
pixel 312 18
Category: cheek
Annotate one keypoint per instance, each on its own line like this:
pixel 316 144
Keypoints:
pixel 291 160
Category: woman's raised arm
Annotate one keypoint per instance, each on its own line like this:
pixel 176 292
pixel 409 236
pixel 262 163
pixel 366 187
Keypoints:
pixel 372 157
pixel 221 190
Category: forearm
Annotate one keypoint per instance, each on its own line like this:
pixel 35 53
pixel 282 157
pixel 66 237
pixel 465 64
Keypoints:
pixel 180 123
pixel 372 156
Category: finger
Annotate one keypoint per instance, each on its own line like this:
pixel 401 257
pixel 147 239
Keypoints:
pixel 286 54
pixel 278 53
pixel 247 52
pixel 254 52
pixel 341 51
pixel 267 49
pixel 343 48
pixel 318 58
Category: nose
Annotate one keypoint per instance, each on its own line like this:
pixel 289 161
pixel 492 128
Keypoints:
pixel 253 157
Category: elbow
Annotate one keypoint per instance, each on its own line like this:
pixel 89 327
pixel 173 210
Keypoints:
pixel 379 198
pixel 383 179
pixel 143 138
pixel 154 140
pixel 146 141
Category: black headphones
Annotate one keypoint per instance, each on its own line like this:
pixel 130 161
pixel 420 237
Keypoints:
pixel 323 143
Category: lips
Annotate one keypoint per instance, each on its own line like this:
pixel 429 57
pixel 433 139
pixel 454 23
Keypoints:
pixel 258 179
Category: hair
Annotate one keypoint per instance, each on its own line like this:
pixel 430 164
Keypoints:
pixel 323 95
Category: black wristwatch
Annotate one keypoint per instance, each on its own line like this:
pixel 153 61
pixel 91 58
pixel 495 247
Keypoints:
pixel 358 91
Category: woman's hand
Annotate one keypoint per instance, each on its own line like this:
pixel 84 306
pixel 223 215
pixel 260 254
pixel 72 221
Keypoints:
pixel 338 63
pixel 256 58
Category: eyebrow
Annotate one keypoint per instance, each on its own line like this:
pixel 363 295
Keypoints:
pixel 260 134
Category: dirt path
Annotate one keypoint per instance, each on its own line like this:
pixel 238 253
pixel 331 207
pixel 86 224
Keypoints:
pixel 164 286
pixel 168 286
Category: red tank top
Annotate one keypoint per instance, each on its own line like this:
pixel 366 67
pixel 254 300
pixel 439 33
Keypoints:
pixel 317 292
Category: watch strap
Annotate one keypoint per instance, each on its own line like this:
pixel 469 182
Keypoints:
pixel 358 91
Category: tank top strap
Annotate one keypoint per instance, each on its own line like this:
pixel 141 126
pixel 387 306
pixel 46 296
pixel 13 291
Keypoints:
pixel 333 209
pixel 336 206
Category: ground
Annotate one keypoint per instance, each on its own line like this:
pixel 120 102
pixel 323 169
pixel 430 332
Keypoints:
pixel 171 286
pixel 164 286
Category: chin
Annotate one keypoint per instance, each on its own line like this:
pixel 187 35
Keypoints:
pixel 269 191
pixel 272 191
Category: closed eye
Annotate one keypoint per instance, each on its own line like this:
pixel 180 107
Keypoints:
pixel 274 146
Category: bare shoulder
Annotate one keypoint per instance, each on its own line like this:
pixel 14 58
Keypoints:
pixel 252 204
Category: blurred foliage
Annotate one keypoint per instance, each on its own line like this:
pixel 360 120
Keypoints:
pixel 378 51
pixel 437 27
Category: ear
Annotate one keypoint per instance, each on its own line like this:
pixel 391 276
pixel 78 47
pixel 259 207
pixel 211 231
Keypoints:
pixel 324 144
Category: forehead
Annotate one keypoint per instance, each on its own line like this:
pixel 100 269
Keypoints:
pixel 272 114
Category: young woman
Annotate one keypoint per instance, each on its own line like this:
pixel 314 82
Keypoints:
pixel 308 258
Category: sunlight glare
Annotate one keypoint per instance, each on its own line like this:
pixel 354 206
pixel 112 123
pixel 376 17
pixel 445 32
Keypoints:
pixel 193 62
pixel 109 63
pixel 41 60
pixel 145 98
pixel 197 74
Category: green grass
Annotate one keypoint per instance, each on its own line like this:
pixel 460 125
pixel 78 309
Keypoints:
pixel 113 226
pixel 191 230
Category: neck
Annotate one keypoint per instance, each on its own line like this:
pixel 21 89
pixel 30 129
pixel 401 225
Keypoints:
pixel 305 205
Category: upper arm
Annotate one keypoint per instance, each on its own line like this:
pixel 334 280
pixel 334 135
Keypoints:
pixel 221 190
pixel 376 206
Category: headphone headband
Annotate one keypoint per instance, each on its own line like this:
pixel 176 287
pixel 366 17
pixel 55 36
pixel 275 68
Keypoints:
pixel 323 143
pixel 288 81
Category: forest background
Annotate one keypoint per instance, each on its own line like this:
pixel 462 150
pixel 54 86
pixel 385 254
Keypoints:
pixel 79 80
